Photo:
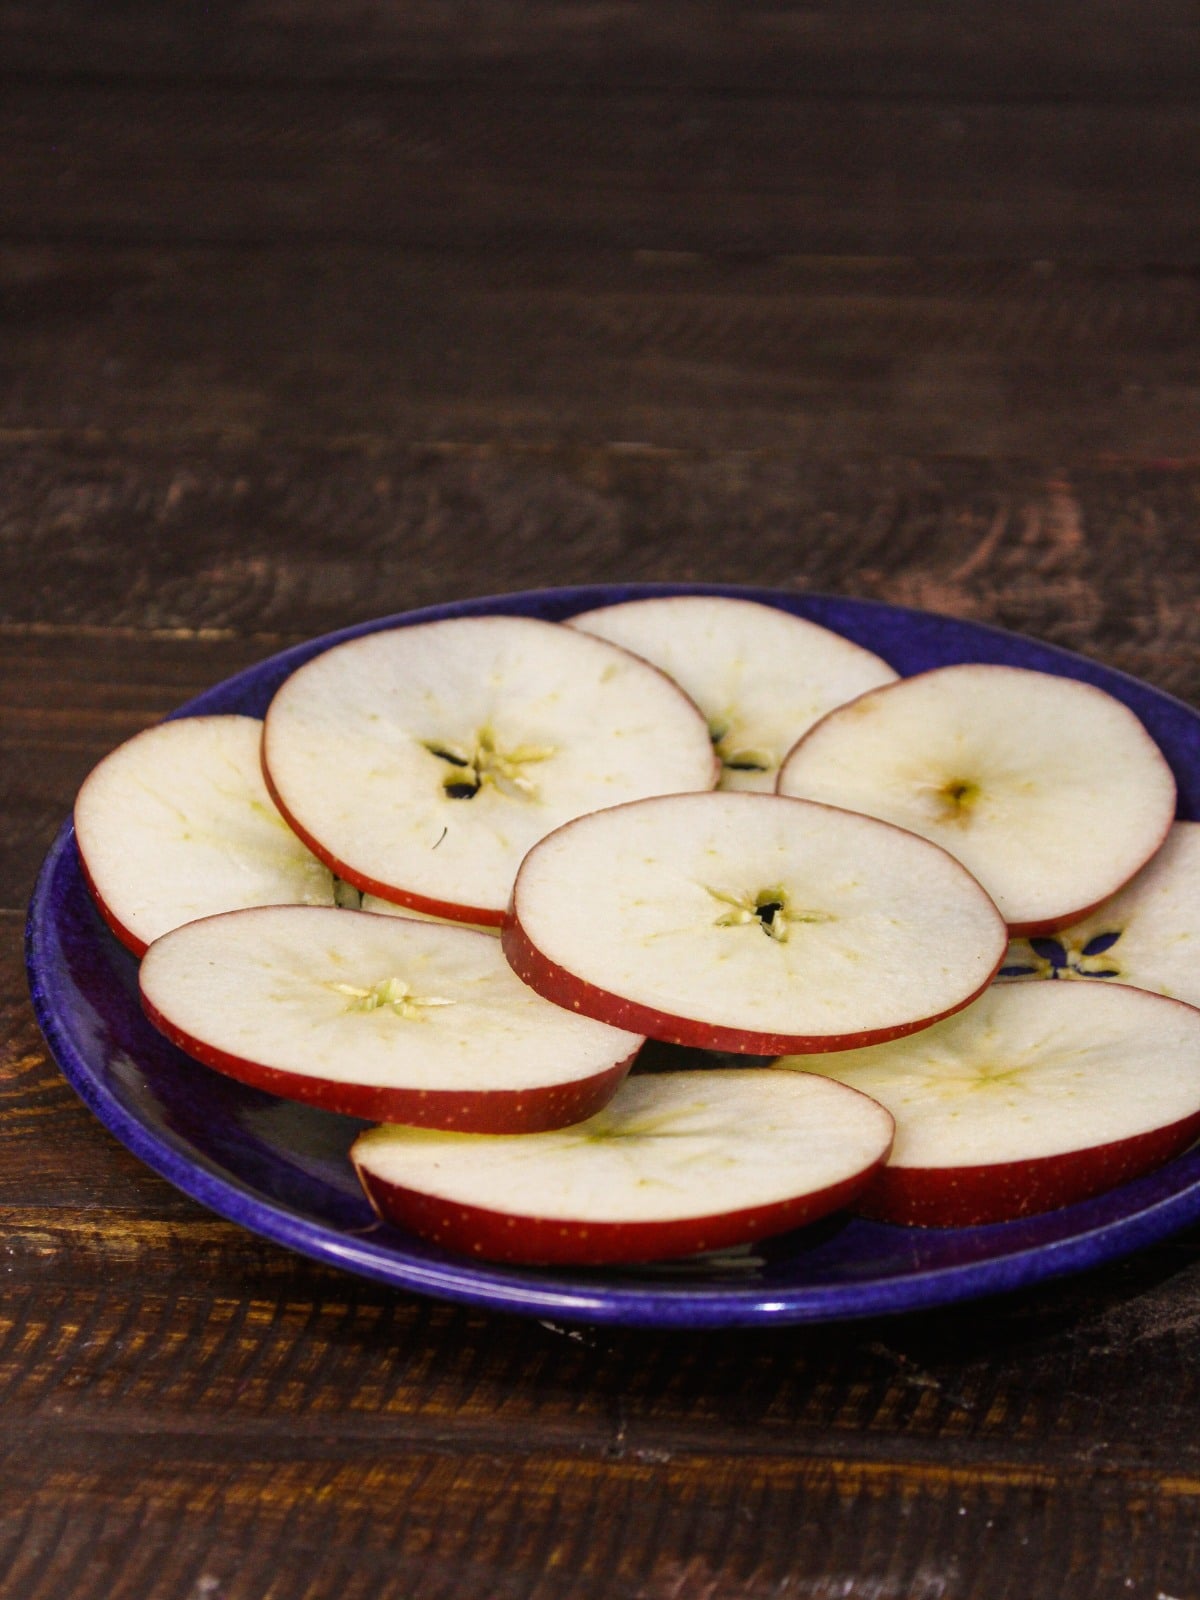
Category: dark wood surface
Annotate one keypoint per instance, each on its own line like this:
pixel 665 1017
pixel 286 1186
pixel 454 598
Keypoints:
pixel 311 313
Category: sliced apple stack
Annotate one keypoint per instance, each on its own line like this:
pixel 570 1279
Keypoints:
pixel 677 1163
pixel 379 1017
pixel 761 676
pixel 504 771
pixel 422 763
pixel 1039 1096
pixel 1050 791
pixel 177 824
pixel 750 923
pixel 1147 935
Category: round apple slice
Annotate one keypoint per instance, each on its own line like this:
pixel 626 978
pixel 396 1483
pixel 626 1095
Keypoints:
pixel 677 1163
pixel 738 921
pixel 1147 935
pixel 1040 1095
pixel 761 676
pixel 423 762
pixel 1049 790
pixel 177 824
pixel 379 1017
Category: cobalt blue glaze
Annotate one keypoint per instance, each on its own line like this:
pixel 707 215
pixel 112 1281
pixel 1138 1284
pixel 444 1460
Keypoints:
pixel 281 1170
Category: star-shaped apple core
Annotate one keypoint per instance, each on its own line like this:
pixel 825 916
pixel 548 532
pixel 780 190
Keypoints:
pixel 484 761
pixel 1067 958
pixel 772 910
pixel 393 993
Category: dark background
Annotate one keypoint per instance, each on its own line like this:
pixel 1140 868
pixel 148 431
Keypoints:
pixel 313 312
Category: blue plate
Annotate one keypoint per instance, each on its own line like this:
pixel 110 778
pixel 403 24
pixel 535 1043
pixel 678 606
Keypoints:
pixel 281 1170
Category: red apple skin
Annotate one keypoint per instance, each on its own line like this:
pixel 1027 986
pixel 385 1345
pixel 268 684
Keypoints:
pixel 567 989
pixel 536 1110
pixel 544 1241
pixel 969 1197
pixel 113 923
pixel 485 916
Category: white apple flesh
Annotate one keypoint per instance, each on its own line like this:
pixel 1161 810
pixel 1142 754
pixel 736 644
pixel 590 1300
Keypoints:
pixel 379 1017
pixel 750 923
pixel 177 823
pixel 1050 791
pixel 761 676
pixel 677 1163
pixel 1147 935
pixel 422 763
pixel 1039 1095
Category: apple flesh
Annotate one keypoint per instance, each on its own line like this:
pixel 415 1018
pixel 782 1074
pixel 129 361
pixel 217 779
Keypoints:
pixel 379 1017
pixel 1051 792
pixel 1037 1096
pixel 177 824
pixel 1148 935
pixel 422 763
pixel 677 1163
pixel 761 676
pixel 750 923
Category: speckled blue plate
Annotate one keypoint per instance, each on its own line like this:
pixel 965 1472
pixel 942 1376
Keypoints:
pixel 281 1169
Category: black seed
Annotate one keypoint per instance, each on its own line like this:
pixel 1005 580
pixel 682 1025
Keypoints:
pixel 744 766
pixel 461 791
pixel 1050 950
pixel 766 912
pixel 1111 972
pixel 1101 943
pixel 447 755
pixel 1015 972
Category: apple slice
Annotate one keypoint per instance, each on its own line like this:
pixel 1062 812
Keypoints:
pixel 741 921
pixel 176 823
pixel 678 1162
pixel 1049 790
pixel 761 676
pixel 423 762
pixel 1147 935
pixel 1040 1095
pixel 379 1017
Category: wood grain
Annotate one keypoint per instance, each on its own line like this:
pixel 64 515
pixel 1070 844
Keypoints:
pixel 1072 1378
pixel 281 543
pixel 1021 51
pixel 428 165
pixel 360 351
pixel 198 1521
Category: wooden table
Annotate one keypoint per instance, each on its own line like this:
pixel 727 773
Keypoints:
pixel 314 313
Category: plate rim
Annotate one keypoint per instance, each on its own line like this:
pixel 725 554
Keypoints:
pixel 519 1291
